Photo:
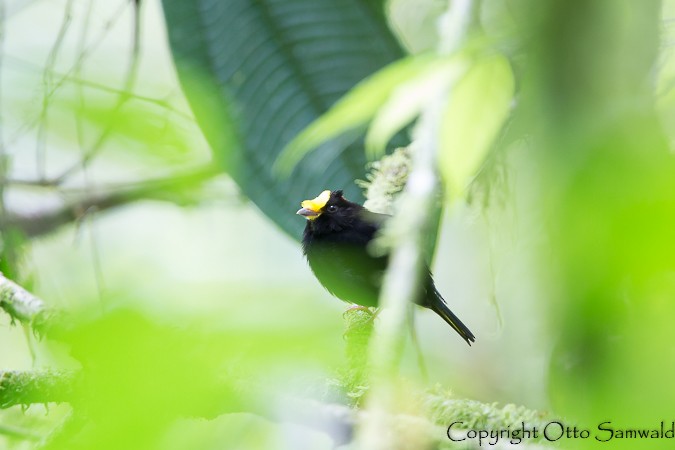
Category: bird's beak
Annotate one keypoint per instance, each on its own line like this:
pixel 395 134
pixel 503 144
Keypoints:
pixel 311 209
pixel 308 213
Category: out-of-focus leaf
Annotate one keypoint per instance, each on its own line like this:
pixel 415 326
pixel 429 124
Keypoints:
pixel 265 70
pixel 144 131
pixel 355 109
pixel 407 100
pixel 477 108
pixel 141 374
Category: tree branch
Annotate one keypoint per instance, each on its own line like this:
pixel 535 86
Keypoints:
pixel 28 387
pixel 336 420
pixel 28 309
pixel 45 222
pixel 18 302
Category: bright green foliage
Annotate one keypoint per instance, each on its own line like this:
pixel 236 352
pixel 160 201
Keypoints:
pixel 134 128
pixel 475 112
pixel 410 98
pixel 608 193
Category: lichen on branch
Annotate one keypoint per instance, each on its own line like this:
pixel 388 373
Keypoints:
pixel 385 179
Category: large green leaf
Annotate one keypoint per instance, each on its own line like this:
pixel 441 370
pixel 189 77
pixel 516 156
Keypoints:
pixel 257 72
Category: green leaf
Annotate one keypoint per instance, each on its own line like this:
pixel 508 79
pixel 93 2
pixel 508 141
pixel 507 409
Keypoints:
pixel 256 73
pixel 355 109
pixel 474 115
pixel 408 100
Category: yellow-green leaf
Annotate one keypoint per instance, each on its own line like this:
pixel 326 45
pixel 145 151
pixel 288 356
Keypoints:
pixel 408 100
pixel 476 110
pixel 354 110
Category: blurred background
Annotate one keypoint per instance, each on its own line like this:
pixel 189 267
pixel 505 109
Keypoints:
pixel 559 260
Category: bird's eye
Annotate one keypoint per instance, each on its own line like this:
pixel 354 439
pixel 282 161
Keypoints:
pixel 332 208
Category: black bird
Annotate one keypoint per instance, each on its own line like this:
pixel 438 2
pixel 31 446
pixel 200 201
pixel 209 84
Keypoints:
pixel 334 242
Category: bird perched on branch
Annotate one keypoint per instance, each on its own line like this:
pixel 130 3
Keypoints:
pixel 335 243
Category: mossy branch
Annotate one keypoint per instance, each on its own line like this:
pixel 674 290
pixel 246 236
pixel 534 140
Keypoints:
pixel 20 304
pixel 29 387
pixel 25 307
pixel 405 235
pixel 338 421
pixel 385 180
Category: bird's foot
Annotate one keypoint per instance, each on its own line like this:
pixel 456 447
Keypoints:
pixel 372 312
pixel 358 308
pixel 357 324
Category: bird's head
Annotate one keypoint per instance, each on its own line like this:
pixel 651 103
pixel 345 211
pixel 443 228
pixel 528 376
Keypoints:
pixel 330 213
pixel 326 203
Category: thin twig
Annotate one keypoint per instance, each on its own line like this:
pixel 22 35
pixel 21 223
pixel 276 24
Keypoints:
pixel 161 102
pixel 123 98
pixel 29 125
pixel 41 139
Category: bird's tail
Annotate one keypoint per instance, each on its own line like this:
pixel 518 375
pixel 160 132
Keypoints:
pixel 440 308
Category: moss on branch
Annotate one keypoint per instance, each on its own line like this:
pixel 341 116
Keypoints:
pixel 20 304
pixel 337 420
pixel 385 179
pixel 29 387
pixel 25 307
pixel 444 410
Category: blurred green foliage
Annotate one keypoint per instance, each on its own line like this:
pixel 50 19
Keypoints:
pixel 609 196
pixel 475 114
pixel 151 131
pixel 140 374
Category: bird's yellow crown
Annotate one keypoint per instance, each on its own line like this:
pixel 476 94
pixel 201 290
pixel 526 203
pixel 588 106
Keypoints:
pixel 318 203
